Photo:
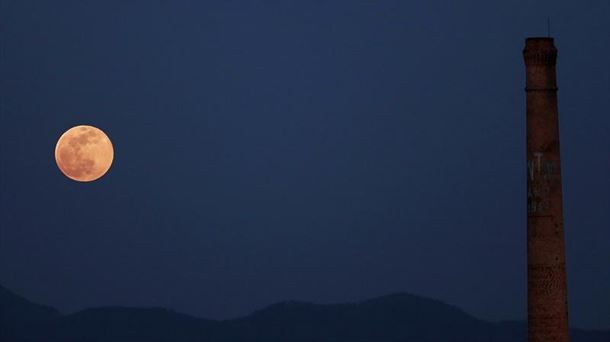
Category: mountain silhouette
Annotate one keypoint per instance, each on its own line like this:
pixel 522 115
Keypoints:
pixel 20 317
pixel 392 318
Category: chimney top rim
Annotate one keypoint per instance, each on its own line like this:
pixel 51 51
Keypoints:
pixel 540 38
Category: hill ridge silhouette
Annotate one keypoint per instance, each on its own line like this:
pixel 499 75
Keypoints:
pixel 395 317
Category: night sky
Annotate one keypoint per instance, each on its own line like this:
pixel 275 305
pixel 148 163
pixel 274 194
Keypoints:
pixel 323 151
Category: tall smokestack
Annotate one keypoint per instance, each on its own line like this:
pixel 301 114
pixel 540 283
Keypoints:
pixel 547 304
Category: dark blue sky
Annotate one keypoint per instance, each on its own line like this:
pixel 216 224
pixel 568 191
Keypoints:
pixel 314 150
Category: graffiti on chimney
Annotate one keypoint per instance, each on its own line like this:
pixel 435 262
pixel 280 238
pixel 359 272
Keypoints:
pixel 539 172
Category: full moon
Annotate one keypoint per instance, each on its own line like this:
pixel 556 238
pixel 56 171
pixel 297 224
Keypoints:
pixel 84 153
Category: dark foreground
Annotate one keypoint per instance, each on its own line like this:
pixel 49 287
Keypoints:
pixel 399 317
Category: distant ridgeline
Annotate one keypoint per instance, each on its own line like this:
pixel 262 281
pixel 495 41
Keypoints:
pixel 399 317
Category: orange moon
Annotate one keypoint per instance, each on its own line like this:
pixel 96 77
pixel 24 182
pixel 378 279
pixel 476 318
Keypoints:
pixel 84 153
